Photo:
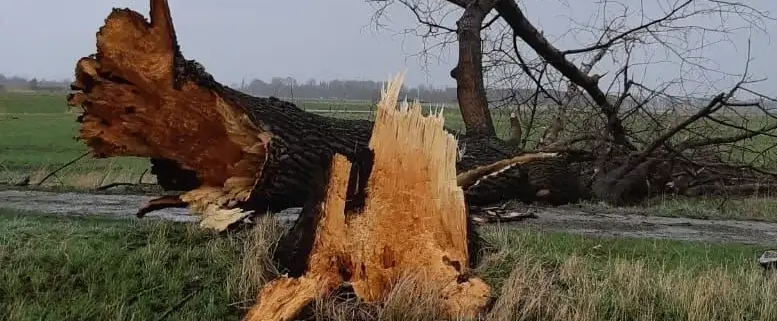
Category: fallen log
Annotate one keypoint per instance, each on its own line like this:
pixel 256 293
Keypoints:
pixel 232 155
pixel 225 149
pixel 399 212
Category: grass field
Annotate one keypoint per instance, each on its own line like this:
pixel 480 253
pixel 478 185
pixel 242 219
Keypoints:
pixel 89 269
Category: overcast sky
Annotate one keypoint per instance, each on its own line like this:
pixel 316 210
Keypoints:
pixel 321 39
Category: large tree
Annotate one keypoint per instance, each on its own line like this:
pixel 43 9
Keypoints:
pixel 647 139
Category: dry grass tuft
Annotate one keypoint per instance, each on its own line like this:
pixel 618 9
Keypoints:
pixel 343 305
pixel 78 178
pixel 582 288
pixel 629 290
pixel 410 299
pixel 256 266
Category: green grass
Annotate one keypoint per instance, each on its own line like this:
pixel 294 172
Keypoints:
pixel 576 278
pixel 30 141
pixel 316 104
pixel 752 208
pixel 32 103
pixel 38 133
pixel 555 248
pixel 58 268
pixel 96 269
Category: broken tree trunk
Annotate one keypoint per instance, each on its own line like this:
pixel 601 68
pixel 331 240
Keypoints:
pixel 399 212
pixel 225 148
pixel 231 154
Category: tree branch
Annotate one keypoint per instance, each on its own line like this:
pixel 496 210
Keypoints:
pixel 521 26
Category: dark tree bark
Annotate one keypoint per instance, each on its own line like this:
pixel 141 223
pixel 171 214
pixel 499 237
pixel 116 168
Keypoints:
pixel 470 91
pixel 509 11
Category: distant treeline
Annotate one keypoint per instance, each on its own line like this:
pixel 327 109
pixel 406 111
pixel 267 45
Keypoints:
pixel 369 90
pixel 358 90
pixel 287 87
pixel 21 83
pixel 342 89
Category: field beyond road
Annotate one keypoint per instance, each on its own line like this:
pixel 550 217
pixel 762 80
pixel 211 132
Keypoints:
pixel 60 268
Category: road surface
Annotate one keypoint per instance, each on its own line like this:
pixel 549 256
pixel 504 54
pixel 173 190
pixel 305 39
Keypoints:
pixel 562 219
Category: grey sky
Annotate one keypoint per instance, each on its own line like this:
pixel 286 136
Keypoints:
pixel 321 39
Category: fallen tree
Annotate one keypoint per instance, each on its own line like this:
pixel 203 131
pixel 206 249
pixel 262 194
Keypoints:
pixel 233 155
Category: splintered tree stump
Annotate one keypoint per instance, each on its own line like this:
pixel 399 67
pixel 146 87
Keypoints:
pixel 231 155
pixel 397 211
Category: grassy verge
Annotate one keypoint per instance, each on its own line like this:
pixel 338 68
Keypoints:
pixel 56 268
pixel 754 208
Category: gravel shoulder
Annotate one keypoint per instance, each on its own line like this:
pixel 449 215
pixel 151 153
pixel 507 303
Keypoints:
pixel 561 219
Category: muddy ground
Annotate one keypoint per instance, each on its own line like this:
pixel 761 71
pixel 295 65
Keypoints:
pixel 569 219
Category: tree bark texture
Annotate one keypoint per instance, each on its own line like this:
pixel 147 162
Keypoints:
pixel 470 89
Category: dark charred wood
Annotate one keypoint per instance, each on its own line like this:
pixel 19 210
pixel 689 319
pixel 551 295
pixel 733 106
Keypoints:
pixel 546 182
pixel 170 176
pixel 479 150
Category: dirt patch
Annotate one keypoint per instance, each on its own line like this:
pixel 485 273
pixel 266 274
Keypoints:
pixel 562 219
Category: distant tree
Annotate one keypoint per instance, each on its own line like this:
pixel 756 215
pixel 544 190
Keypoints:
pixel 33 84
